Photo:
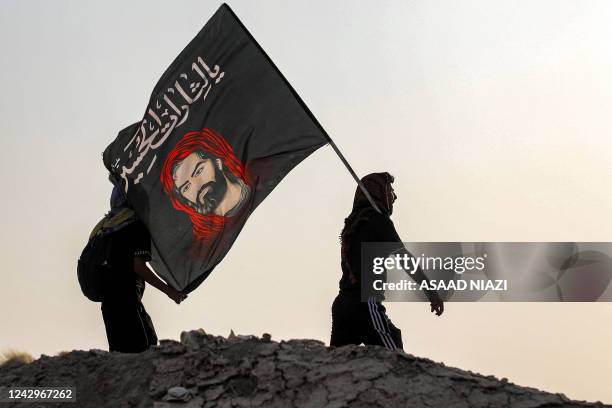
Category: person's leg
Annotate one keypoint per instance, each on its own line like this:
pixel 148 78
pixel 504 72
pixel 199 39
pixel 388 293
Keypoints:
pixel 117 328
pixel 343 326
pixel 147 323
pixel 379 329
pixel 125 327
pixel 396 334
pixel 111 327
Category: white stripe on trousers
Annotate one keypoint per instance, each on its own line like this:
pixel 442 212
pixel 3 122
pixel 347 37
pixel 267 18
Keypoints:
pixel 387 331
pixel 375 323
pixel 379 323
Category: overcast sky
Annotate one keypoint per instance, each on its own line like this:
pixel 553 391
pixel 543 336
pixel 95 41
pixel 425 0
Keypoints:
pixel 494 117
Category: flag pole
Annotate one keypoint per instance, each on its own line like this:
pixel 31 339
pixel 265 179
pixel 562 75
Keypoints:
pixel 350 169
pixel 301 102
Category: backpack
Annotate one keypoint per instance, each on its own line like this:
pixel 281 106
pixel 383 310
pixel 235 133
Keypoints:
pixel 94 265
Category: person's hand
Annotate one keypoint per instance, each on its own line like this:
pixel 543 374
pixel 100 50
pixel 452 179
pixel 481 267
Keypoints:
pixel 175 295
pixel 437 307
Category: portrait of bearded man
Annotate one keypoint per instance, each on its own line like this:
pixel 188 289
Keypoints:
pixel 203 178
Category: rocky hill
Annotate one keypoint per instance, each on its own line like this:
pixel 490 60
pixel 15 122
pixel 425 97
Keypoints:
pixel 244 371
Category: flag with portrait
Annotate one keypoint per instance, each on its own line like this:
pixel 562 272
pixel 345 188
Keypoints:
pixel 222 128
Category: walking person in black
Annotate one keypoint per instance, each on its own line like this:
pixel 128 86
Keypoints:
pixel 129 328
pixel 354 321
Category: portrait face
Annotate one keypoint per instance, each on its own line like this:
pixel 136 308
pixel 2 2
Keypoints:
pixel 199 180
pixel 205 180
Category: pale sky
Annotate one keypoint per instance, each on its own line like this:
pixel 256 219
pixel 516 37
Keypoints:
pixel 494 117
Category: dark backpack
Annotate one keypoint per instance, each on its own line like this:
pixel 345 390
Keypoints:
pixel 94 266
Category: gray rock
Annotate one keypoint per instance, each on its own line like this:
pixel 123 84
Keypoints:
pixel 178 394
pixel 192 339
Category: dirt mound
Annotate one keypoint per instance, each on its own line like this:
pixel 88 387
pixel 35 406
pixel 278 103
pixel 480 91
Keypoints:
pixel 244 371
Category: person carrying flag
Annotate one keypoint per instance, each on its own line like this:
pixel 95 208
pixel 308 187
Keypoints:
pixel 354 321
pixel 129 328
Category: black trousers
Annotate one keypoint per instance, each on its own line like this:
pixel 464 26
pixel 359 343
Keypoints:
pixel 357 322
pixel 129 328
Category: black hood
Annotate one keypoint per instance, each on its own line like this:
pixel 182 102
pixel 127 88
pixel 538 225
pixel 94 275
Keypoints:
pixel 378 185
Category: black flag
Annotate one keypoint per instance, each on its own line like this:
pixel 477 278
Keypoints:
pixel 221 130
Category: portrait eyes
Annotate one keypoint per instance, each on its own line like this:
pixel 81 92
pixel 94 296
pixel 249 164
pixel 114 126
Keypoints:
pixel 199 168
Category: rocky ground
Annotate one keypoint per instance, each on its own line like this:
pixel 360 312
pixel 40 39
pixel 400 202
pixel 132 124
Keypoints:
pixel 245 371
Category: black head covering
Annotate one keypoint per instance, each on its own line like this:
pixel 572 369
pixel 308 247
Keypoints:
pixel 378 185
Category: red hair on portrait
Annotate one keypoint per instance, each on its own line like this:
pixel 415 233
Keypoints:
pixel 209 142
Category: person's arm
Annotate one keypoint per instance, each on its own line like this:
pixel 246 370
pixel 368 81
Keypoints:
pixel 141 240
pixel 388 233
pixel 141 268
